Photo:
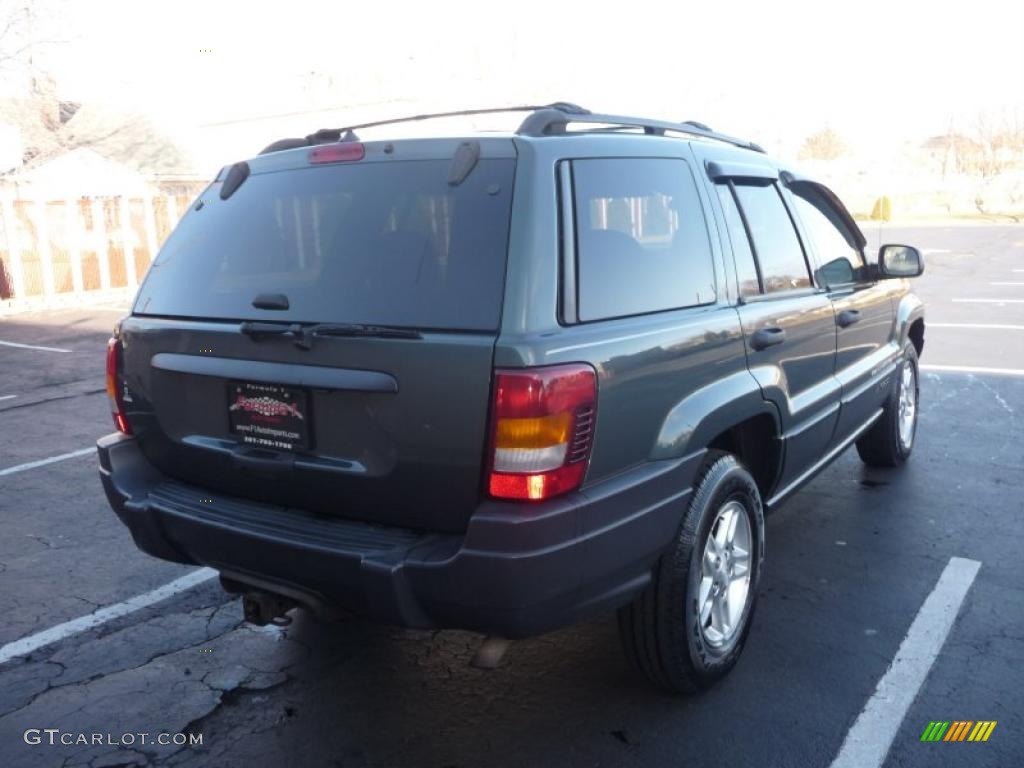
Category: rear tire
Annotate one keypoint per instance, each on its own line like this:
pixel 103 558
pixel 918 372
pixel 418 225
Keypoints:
pixel 677 631
pixel 890 440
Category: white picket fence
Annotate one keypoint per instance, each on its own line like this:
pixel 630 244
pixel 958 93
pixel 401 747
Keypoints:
pixel 76 251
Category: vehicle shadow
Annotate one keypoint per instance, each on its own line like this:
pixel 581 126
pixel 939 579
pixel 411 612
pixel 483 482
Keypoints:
pixel 372 695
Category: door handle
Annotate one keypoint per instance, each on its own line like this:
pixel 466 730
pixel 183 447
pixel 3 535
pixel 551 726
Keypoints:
pixel 848 317
pixel 767 337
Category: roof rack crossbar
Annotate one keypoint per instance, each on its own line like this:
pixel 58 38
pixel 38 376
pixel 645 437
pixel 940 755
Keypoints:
pixel 552 121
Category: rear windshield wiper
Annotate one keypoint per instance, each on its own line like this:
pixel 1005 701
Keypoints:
pixel 304 333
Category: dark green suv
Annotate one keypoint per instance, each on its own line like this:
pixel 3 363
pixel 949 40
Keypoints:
pixel 506 382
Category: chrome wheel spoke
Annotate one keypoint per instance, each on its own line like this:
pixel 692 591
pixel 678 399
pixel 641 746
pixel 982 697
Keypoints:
pixel 736 591
pixel 713 549
pixel 721 536
pixel 907 404
pixel 709 563
pixel 705 600
pixel 740 563
pixel 721 612
pixel 731 531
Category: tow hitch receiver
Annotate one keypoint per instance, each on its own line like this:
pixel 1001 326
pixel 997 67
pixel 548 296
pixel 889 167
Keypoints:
pixel 262 608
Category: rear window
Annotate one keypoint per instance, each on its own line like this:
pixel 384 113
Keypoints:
pixel 388 243
pixel 642 244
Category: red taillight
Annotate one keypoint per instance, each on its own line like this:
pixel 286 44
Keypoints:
pixel 114 387
pixel 541 431
pixel 346 152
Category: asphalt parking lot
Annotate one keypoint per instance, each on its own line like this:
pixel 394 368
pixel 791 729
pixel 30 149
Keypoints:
pixel 851 560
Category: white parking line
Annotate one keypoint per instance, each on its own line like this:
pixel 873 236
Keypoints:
pixel 867 742
pixel 989 301
pixel 27 645
pixel 44 462
pixel 31 346
pixel 993 326
pixel 7 397
pixel 973 369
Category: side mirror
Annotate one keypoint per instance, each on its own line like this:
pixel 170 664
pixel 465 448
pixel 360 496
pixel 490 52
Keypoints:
pixel 895 261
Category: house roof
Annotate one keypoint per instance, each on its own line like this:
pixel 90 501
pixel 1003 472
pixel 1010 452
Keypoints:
pixel 49 129
pixel 81 172
pixel 130 139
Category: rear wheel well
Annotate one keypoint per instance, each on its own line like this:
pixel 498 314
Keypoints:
pixel 755 443
pixel 916 335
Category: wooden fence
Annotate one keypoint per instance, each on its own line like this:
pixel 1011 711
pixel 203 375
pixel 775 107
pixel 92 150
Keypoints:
pixel 56 252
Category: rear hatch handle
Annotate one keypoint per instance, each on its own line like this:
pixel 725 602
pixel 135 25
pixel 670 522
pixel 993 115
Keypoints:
pixel 315 376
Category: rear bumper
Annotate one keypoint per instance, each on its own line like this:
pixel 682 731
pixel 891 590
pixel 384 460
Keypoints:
pixel 518 570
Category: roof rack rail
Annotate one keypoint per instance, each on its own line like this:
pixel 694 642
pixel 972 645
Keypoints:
pixel 543 120
pixel 563 107
pixel 552 121
pixel 326 135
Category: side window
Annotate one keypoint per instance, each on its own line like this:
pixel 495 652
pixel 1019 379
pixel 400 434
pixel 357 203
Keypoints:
pixel 641 240
pixel 841 259
pixel 746 269
pixel 778 250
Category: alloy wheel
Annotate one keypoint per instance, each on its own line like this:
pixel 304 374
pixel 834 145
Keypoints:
pixel 725 575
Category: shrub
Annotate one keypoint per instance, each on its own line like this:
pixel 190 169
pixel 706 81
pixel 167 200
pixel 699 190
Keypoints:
pixel 882 210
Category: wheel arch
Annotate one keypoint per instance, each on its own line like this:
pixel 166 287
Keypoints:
pixel 910 321
pixel 729 415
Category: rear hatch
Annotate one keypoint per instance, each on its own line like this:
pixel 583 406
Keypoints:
pixel 324 336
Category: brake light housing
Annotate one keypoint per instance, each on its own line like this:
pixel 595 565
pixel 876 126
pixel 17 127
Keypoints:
pixel 343 152
pixel 115 389
pixel 542 426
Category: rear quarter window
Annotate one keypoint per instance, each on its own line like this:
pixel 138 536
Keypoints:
pixel 641 239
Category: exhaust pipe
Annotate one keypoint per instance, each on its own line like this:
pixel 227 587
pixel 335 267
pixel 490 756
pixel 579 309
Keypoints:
pixel 491 652
pixel 262 608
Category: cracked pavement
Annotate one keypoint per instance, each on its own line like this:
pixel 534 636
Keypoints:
pixel 850 560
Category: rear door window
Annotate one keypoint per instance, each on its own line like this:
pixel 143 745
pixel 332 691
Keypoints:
pixel 388 243
pixel 777 247
pixel 641 239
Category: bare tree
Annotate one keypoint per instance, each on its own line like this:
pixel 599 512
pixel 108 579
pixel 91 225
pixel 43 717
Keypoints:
pixel 997 145
pixel 49 126
pixel 26 28
pixel 15 40
pixel 825 144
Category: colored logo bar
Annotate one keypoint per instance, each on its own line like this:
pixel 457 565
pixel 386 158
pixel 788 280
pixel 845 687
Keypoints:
pixel 958 730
